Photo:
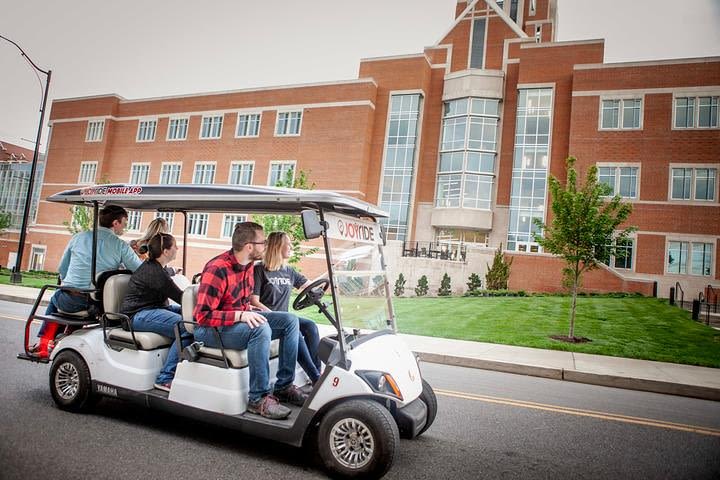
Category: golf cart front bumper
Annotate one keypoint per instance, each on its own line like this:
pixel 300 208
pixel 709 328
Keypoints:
pixel 411 418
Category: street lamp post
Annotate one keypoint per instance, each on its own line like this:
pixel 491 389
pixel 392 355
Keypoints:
pixel 16 276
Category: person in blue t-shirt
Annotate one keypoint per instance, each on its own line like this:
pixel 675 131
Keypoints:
pixel 274 281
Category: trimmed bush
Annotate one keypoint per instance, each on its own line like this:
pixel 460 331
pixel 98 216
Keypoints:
pixel 422 286
pixel 445 289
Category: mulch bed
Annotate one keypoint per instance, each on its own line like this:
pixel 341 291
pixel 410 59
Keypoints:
pixel 566 339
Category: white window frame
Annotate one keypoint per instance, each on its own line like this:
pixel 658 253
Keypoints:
pixel 95 123
pixel 633 258
pixel 139 164
pixel 80 174
pixel 146 121
pixel 616 187
pixel 222 124
pixel 533 8
pixel 34 247
pixel 694 167
pixel 170 221
pixel 621 99
pixel 162 167
pixel 696 110
pixel 251 163
pixel 207 224
pixel 688 264
pixel 237 124
pixel 281 162
pixel 187 128
pixel 224 220
pixel 214 164
pixel 131 214
pixel 287 123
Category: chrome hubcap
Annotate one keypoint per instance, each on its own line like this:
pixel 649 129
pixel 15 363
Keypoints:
pixel 351 443
pixel 67 381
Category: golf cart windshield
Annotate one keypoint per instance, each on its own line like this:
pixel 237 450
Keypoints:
pixel 358 272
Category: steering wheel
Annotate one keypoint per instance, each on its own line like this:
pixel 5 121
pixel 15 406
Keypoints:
pixel 311 294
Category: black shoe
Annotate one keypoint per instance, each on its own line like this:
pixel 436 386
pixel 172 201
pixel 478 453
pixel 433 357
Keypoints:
pixel 269 407
pixel 292 395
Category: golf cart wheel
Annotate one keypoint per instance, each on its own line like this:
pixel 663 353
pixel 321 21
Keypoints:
pixel 430 400
pixel 358 439
pixel 70 384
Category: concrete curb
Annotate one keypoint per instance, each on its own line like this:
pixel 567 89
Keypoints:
pixel 628 383
pixel 28 301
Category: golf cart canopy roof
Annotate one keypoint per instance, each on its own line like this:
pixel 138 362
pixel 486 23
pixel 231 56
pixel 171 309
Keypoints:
pixel 217 198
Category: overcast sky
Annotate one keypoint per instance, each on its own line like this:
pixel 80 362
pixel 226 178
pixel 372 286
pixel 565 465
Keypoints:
pixel 153 48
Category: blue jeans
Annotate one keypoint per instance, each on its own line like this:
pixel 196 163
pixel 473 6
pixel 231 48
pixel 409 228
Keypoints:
pixel 308 349
pixel 67 303
pixel 163 321
pixel 239 336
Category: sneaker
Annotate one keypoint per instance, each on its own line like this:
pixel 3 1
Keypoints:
pixel 269 407
pixel 163 386
pixel 307 388
pixel 292 395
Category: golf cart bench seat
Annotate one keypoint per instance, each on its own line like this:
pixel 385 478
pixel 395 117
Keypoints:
pixel 214 356
pixel 114 291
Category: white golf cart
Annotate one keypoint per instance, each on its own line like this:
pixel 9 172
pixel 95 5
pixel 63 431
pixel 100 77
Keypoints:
pixel 370 393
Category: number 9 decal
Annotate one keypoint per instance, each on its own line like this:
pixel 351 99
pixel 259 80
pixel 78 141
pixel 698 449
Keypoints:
pixel 335 381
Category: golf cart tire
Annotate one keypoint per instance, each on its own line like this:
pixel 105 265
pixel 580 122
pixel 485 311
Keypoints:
pixel 342 423
pixel 70 383
pixel 430 400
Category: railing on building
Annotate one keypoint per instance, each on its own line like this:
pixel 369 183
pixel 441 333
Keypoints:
pixel 712 293
pixel 675 293
pixel 436 250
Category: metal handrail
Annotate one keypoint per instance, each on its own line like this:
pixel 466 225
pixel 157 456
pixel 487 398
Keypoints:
pixel 682 294
pixel 436 250
pixel 710 289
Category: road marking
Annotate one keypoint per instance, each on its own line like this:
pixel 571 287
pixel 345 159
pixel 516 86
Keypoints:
pixel 583 413
pixel 19 319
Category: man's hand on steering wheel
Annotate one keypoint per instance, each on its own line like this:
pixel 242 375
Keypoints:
pixel 311 294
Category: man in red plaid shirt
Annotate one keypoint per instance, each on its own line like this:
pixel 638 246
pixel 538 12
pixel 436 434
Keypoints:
pixel 224 304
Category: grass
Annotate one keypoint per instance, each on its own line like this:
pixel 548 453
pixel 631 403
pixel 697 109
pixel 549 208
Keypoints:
pixel 36 279
pixel 643 328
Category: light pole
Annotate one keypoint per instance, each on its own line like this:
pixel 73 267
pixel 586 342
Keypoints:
pixel 16 276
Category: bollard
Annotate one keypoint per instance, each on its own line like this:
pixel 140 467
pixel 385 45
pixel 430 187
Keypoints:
pixel 696 310
pixel 655 289
pixel 672 296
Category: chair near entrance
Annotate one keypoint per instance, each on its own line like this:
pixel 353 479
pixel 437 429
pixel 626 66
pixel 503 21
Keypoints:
pixel 436 250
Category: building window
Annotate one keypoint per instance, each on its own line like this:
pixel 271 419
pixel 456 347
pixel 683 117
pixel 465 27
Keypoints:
pixel 530 168
pixel 139 173
pixel 700 261
pixel 95 131
pixel 197 224
pixel 248 125
pixel 621 114
pixel 288 123
pixel 624 254
pixel 241 173
pixel 399 166
pixel 281 172
pixel 204 173
pixel 229 223
pixel 457 235
pixel 696 112
pixel 211 126
pixel 146 131
pixel 169 217
pixel 513 10
pixel 538 33
pixel 177 129
pixel 622 181
pixel 533 7
pixel 170 173
pixel 37 257
pixel 88 170
pixel 134 220
pixel 477 49
pixel 467 153
pixel 693 184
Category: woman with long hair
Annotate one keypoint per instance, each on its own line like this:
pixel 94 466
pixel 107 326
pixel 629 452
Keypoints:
pixel 146 302
pixel 159 225
pixel 274 282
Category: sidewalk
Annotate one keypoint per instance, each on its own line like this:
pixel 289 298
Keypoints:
pixel 660 377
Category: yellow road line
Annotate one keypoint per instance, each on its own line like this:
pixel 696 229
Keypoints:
pixel 583 413
pixel 19 319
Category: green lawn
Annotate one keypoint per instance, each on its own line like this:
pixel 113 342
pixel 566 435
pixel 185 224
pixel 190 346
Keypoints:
pixel 29 279
pixel 644 328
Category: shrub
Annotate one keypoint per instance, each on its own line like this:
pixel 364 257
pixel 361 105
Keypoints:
pixel 474 283
pixel 422 286
pixel 445 289
pixel 400 286
pixel 498 274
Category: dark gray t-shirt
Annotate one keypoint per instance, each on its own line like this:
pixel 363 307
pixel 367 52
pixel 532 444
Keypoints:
pixel 274 288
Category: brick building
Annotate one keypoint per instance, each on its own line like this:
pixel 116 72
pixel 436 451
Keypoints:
pixel 456 142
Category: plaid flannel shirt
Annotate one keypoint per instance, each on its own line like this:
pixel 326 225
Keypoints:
pixel 225 287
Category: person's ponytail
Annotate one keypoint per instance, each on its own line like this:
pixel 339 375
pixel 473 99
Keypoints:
pixel 158 243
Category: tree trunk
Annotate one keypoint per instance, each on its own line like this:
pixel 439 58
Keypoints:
pixel 571 335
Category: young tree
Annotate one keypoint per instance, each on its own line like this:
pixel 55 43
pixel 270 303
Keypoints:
pixel 5 221
pixel 584 227
pixel 474 283
pixel 290 224
pixel 422 286
pixel 445 289
pixel 400 286
pixel 498 274
pixel 80 219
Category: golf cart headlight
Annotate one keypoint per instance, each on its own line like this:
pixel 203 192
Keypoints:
pixel 380 382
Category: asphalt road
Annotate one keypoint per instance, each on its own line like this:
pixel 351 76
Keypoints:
pixel 489 425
